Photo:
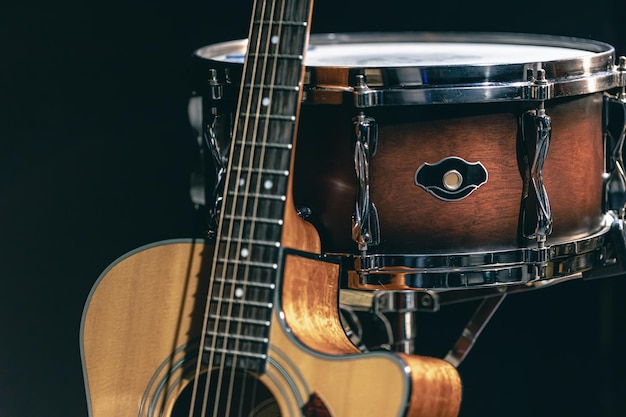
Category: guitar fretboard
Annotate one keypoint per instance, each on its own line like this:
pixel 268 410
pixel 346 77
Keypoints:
pixel 247 256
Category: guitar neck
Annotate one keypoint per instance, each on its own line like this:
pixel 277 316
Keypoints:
pixel 264 132
pixel 251 220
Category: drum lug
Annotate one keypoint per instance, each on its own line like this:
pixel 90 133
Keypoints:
pixel 538 88
pixel 215 89
pixel 621 70
pixel 536 216
pixel 217 136
pixel 364 96
pixel 614 134
pixel 615 181
pixel 365 229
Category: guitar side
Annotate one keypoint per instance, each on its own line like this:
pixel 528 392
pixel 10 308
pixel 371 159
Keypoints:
pixel 142 322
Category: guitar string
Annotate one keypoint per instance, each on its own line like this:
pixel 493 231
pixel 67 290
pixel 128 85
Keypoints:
pixel 268 31
pixel 215 260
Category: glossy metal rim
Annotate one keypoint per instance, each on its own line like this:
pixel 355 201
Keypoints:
pixel 385 86
pixel 479 269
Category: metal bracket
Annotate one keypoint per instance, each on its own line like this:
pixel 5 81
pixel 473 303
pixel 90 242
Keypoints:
pixel 217 141
pixel 614 135
pixel 539 88
pixel 536 214
pixel 365 226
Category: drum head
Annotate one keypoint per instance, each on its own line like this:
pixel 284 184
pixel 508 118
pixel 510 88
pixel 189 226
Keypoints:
pixel 373 69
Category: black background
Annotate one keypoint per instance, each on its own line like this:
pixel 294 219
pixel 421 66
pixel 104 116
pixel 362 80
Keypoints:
pixel 95 153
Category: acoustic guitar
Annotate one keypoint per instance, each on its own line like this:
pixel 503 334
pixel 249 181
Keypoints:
pixel 248 325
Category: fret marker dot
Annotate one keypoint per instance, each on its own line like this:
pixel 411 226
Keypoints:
pixel 274 39
pixel 268 185
pixel 265 102
pixel 244 253
pixel 238 292
pixel 242 182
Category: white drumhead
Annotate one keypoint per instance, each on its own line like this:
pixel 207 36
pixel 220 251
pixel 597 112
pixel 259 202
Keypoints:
pixel 400 54
pixel 423 54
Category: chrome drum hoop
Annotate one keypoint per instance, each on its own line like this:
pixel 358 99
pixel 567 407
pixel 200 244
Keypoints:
pixel 370 85
pixel 590 68
pixel 481 269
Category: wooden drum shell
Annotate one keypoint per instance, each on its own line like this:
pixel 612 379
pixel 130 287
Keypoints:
pixel 414 221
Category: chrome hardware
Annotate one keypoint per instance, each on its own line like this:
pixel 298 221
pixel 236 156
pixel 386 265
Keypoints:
pixel 452 178
pixel 365 229
pixel 536 220
pixel 614 135
pixel 621 71
pixel 462 271
pixel 209 115
pixel 216 89
pixel 415 83
pixel 539 88
pixel 473 329
pixel 361 85
pixel 397 309
pixel 365 97
pixel 217 137
pixel 304 212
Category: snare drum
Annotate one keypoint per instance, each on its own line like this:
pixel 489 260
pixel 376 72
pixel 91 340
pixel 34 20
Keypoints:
pixel 449 160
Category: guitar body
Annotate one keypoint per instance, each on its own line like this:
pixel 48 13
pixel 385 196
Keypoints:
pixel 250 327
pixel 142 323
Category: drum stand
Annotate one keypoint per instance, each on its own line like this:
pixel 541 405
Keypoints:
pixel 396 311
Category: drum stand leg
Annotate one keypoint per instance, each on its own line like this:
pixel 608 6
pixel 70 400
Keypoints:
pixel 472 330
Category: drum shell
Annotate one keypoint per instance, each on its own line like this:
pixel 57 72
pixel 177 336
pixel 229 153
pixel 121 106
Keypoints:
pixel 414 221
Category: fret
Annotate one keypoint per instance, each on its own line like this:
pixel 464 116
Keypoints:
pixel 241 221
pixel 268 144
pixel 242 327
pixel 254 242
pixel 249 263
pixel 230 346
pixel 236 352
pixel 278 56
pixel 278 222
pixel 264 323
pixel 275 117
pixel 237 301
pixel 260 196
pixel 275 87
pixel 281 23
pixel 238 336
pixel 267 285
pixel 268 171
